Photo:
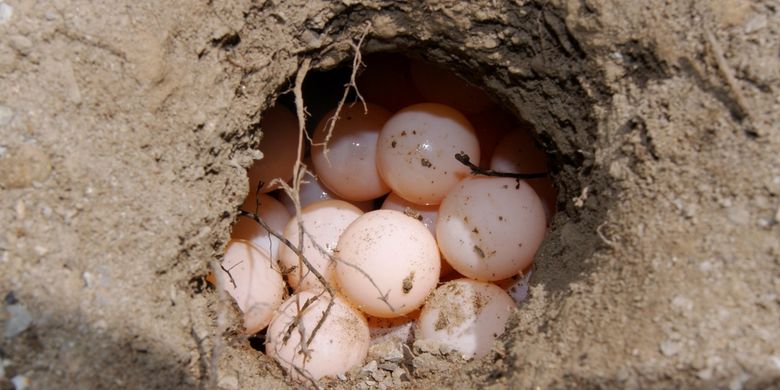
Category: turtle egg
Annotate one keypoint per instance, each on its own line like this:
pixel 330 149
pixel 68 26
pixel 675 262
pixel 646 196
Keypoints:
pixel 247 274
pixel 387 263
pixel 349 168
pixel 466 315
pixel 269 210
pixel 489 228
pixel 280 150
pixel 324 222
pixel 341 342
pixel 417 148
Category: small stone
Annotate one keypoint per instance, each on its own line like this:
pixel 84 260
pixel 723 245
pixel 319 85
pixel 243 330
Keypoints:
pixel 378 375
pixel 88 278
pixel 427 346
pixel 670 348
pixel 19 319
pixel 22 44
pixel 20 382
pixel 387 366
pixel 369 368
pixel 6 115
pixel 400 375
pixel 6 12
pixel 391 351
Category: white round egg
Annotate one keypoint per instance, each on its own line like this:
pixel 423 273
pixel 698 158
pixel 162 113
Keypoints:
pixel 465 315
pixel 417 148
pixel 272 212
pixel 489 228
pixel 339 344
pixel 349 168
pixel 324 221
pixel 279 145
pixel 247 274
pixel 388 263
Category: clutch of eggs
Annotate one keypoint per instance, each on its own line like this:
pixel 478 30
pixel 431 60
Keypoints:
pixel 386 214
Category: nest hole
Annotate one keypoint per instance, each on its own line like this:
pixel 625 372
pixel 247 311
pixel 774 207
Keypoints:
pixel 554 112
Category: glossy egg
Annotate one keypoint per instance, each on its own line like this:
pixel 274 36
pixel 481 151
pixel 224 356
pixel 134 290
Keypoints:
pixel 417 148
pixel 388 263
pixel 349 167
pixel 489 228
pixel 465 315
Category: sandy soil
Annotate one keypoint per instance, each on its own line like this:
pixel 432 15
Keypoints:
pixel 125 128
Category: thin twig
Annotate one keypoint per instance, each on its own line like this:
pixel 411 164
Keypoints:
pixel 475 170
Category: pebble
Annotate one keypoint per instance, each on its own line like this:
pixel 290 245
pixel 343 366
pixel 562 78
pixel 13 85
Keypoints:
pixel 19 319
pixel 369 368
pixel 20 382
pixel 6 115
pixel 6 12
pixel 391 351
